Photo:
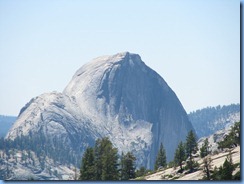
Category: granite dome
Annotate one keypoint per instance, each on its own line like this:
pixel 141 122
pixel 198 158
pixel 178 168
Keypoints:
pixel 117 96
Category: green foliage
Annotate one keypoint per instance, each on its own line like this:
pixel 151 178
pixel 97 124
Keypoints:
pixel 236 132
pixel 216 174
pixel 180 155
pixel 100 162
pixel 171 164
pixel 191 144
pixel 128 166
pixel 204 150
pixel 185 151
pixel 166 177
pixel 224 172
pixel 203 119
pixel 42 146
pixel 140 178
pixel 233 138
pixel 106 160
pixel 192 166
pixel 141 172
pixel 228 169
pixel 175 177
pixel 87 165
pixel 161 158
pixel 237 176
pixel 191 148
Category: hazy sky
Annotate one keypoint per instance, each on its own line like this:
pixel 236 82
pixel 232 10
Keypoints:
pixel 194 45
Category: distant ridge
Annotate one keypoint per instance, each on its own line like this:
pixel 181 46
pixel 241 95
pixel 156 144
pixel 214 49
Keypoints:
pixel 208 120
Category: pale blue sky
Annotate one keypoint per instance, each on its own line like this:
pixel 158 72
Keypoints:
pixel 194 45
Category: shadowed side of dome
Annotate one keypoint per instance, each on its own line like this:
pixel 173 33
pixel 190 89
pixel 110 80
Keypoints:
pixel 122 87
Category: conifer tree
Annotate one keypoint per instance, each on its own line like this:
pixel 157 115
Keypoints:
pixel 161 158
pixel 191 144
pixel 228 168
pixel 98 151
pixel 236 131
pixel 180 155
pixel 106 160
pixel 109 161
pixel 233 138
pixel 87 166
pixel 204 150
pixel 191 148
pixel 128 166
pixel 225 171
pixel 122 166
pixel 141 171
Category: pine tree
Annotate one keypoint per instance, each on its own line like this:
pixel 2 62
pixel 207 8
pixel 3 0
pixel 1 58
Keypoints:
pixel 109 161
pixel 216 173
pixel 98 151
pixel 161 158
pixel 204 150
pixel 191 144
pixel 224 172
pixel 233 138
pixel 180 155
pixel 142 171
pixel 236 131
pixel 191 148
pixel 87 166
pixel 228 168
pixel 106 160
pixel 128 166
pixel 122 166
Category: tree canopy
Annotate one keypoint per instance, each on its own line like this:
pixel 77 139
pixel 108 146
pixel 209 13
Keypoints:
pixel 233 139
pixel 161 158
pixel 204 150
pixel 180 155
pixel 191 148
pixel 100 162
pixel 128 166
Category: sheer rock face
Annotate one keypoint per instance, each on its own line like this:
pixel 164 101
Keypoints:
pixel 116 96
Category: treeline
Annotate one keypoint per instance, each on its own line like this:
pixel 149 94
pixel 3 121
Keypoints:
pixel 42 146
pixel 204 120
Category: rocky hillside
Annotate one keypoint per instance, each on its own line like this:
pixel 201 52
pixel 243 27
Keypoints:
pixel 27 165
pixel 218 157
pixel 208 120
pixel 217 161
